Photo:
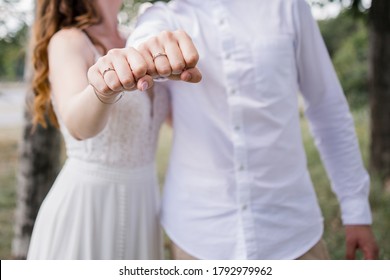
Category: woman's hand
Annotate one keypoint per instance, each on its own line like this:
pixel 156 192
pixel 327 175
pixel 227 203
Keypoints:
pixel 119 70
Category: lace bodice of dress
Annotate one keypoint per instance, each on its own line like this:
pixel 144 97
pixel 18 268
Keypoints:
pixel 130 136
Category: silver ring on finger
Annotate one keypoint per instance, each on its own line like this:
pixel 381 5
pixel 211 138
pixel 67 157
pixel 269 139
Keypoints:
pixel 107 70
pixel 158 55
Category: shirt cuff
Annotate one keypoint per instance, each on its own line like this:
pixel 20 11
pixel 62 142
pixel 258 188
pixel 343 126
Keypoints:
pixel 356 211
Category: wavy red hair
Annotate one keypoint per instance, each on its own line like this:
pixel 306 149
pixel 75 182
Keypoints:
pixel 52 16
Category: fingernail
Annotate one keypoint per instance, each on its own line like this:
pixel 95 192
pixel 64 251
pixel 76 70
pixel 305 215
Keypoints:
pixel 144 85
pixel 187 76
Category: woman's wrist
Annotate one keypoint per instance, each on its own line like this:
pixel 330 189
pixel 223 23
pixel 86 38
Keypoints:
pixel 107 99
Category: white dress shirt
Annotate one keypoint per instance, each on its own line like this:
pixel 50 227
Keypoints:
pixel 238 186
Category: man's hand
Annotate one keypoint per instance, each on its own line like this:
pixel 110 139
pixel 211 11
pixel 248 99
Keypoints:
pixel 172 55
pixel 360 237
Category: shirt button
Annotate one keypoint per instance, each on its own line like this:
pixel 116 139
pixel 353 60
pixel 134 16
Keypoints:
pixel 241 167
pixel 221 21
pixel 244 207
pixel 232 91
pixel 237 128
pixel 227 56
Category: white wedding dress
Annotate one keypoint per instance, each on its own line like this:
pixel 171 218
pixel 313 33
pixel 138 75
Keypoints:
pixel 105 202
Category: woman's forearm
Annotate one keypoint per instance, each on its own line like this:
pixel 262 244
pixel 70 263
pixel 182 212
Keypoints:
pixel 86 114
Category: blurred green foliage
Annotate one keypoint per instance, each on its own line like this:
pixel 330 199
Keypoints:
pixel 346 37
pixel 12 55
pixel 130 10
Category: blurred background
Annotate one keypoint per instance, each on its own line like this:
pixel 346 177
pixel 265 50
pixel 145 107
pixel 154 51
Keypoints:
pixel 357 34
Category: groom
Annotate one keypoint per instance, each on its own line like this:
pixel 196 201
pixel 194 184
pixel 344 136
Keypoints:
pixel 238 186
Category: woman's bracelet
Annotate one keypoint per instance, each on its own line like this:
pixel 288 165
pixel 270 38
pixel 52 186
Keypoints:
pixel 104 102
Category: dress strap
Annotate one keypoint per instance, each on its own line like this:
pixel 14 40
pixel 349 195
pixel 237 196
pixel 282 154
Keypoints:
pixel 92 46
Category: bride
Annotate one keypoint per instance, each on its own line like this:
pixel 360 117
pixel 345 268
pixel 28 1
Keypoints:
pixel 104 202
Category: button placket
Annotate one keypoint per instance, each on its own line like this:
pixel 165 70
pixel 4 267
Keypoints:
pixel 228 48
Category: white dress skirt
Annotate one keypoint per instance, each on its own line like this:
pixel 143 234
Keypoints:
pixel 95 212
pixel 105 202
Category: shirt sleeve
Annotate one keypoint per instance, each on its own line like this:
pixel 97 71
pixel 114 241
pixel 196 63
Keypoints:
pixel 330 119
pixel 155 19
pixel 152 21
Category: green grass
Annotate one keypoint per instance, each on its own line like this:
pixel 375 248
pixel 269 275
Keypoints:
pixel 8 160
pixel 334 232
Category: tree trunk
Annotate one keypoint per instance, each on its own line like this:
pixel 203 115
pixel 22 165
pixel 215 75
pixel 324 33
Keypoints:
pixel 39 162
pixel 379 80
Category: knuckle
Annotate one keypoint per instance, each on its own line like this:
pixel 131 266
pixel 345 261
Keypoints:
pixel 178 66
pixel 93 74
pixel 116 87
pixel 100 60
pixel 152 41
pixel 103 61
pixel 141 48
pixel 144 66
pixel 144 54
pixel 128 82
pixel 166 34
pixel 165 71
pixel 130 51
pixel 104 89
pixel 139 63
pixel 181 32
pixel 139 70
pixel 113 52
pixel 152 71
pixel 192 59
